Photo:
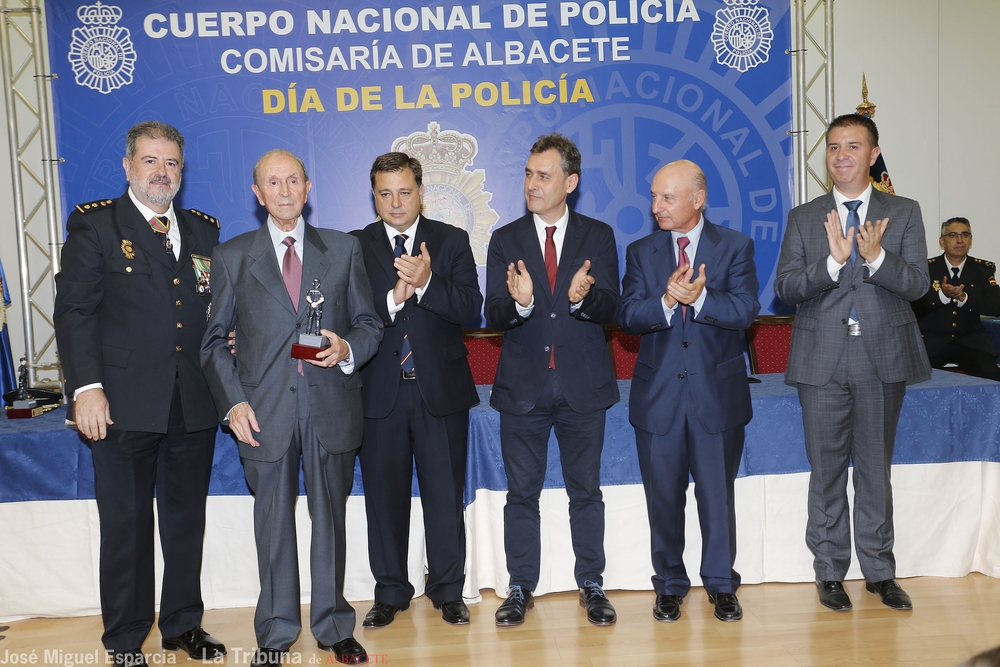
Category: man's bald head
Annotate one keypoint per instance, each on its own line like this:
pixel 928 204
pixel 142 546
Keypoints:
pixel 679 194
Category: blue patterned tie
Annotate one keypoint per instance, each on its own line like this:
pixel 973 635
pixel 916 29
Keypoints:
pixel 853 220
pixel 406 363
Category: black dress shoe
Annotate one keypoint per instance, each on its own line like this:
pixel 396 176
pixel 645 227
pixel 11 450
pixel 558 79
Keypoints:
pixel 891 593
pixel 727 607
pixel 599 609
pixel 454 612
pixel 667 608
pixel 132 658
pixel 512 611
pixel 380 615
pixel 833 596
pixel 348 651
pixel 267 657
pixel 196 643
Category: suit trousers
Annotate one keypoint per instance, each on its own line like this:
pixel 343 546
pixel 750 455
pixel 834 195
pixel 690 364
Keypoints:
pixel 275 485
pixel 713 460
pixel 128 466
pixel 852 417
pixel 974 362
pixel 438 446
pixel 524 443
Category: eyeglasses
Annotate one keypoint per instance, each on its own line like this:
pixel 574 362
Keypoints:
pixel 965 236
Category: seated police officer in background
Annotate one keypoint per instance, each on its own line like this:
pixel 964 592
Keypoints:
pixel 962 288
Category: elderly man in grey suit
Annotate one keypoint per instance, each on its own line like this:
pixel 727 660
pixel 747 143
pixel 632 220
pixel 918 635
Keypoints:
pixel 855 345
pixel 286 413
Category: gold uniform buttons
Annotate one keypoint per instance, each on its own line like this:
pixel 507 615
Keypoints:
pixel 180 325
pixel 178 348
pixel 128 269
pixel 177 281
pixel 178 303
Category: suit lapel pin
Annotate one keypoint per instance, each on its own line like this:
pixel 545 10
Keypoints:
pixel 127 249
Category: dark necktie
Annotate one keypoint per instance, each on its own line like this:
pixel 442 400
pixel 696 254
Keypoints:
pixel 683 260
pixel 954 274
pixel 853 220
pixel 161 225
pixel 551 269
pixel 551 265
pixel 406 362
pixel 291 273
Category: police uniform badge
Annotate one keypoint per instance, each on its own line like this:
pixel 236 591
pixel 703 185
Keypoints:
pixel 202 273
pixel 936 285
pixel 127 249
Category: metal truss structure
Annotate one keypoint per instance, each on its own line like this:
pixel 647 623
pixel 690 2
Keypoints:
pixel 26 81
pixel 812 49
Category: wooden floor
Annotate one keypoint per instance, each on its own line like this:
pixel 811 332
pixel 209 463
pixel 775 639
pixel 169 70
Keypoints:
pixel 784 625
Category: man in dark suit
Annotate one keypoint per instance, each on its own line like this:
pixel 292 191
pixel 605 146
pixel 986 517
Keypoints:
pixel 129 316
pixel 690 398
pixel 963 288
pixel 417 391
pixel 287 414
pixel 551 285
pixel 855 345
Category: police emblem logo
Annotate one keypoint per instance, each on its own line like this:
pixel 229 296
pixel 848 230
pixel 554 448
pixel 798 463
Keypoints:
pixel 101 52
pixel 453 193
pixel 742 35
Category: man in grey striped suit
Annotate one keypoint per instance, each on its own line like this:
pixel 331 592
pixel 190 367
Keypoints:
pixel 855 345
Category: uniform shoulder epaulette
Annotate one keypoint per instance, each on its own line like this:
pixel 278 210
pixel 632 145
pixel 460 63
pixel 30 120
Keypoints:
pixel 90 207
pixel 206 216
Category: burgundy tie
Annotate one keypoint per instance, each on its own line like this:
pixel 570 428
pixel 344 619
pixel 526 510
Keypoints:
pixel 291 273
pixel 682 260
pixel 551 267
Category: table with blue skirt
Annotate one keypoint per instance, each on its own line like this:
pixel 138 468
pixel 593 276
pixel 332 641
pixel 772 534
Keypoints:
pixel 946 482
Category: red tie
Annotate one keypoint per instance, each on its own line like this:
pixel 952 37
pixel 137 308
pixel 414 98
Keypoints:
pixel 551 267
pixel 291 273
pixel 682 260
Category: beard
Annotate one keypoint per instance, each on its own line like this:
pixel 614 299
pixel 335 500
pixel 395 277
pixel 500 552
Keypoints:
pixel 145 190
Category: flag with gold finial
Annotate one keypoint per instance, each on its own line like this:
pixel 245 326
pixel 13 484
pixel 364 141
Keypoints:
pixel 878 174
pixel 7 381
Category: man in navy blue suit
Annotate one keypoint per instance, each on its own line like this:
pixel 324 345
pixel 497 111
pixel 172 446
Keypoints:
pixel 690 289
pixel 417 391
pixel 551 285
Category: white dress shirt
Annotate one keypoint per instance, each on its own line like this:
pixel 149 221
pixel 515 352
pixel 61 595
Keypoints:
pixel 411 233
pixel 694 237
pixel 173 233
pixel 557 238
pixel 951 276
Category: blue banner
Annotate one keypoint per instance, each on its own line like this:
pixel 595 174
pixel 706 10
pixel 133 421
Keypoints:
pixel 466 87
pixel 7 377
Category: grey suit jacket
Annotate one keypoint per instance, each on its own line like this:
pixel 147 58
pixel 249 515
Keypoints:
pixel 248 295
pixel 889 328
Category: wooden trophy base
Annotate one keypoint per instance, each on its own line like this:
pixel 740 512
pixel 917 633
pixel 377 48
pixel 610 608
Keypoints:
pixel 309 346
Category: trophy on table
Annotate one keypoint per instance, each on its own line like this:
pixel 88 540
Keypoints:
pixel 25 402
pixel 312 341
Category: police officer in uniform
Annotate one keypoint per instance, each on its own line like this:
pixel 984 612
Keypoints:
pixel 962 289
pixel 130 312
